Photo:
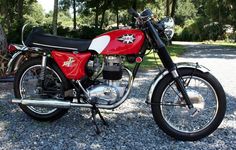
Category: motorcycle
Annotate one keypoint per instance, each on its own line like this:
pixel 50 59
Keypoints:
pixel 187 101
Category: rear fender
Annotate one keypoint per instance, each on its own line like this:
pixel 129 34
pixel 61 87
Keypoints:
pixel 165 72
pixel 17 59
pixel 14 62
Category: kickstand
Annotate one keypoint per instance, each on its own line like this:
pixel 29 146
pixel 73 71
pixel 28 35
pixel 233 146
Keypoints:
pixel 96 111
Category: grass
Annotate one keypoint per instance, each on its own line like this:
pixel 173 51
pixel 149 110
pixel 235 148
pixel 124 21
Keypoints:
pixel 221 43
pixel 149 61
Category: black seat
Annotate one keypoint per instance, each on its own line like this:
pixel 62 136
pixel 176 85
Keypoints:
pixel 37 38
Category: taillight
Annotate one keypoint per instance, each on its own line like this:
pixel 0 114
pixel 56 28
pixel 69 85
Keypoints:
pixel 11 48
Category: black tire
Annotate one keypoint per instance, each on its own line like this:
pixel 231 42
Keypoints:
pixel 160 110
pixel 56 113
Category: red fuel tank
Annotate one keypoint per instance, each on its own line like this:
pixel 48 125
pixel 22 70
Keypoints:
pixel 118 42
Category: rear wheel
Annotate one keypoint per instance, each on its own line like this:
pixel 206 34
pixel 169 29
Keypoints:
pixel 172 114
pixel 27 85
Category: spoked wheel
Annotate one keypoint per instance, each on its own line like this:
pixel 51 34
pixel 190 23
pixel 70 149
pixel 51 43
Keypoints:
pixel 173 115
pixel 28 85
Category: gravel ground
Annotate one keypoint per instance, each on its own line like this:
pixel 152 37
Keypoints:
pixel 131 126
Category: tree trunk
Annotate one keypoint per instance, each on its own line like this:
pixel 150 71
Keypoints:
pixel 103 17
pixel 167 7
pixel 134 6
pixel 219 15
pixel 20 16
pixel 96 15
pixel 55 16
pixel 174 3
pixel 20 11
pixel 104 9
pixel 8 15
pixel 117 17
pixel 3 40
pixel 74 11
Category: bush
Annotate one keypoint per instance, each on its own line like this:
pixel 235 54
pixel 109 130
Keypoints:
pixel 188 33
pixel 214 31
pixel 86 32
pixel 178 32
pixel 199 30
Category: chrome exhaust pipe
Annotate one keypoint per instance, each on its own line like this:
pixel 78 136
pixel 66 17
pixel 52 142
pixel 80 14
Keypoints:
pixel 66 104
pixel 49 103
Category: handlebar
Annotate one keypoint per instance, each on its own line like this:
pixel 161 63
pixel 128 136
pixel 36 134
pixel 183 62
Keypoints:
pixel 133 12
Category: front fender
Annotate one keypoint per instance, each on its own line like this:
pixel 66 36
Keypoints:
pixel 165 72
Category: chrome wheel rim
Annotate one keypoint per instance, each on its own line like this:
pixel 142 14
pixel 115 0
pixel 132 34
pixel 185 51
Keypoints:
pixel 29 87
pixel 176 113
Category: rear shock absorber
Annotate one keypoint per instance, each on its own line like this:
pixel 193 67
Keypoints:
pixel 43 67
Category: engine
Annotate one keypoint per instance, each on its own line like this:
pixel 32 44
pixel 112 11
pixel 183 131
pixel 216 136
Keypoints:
pixel 113 68
pixel 111 85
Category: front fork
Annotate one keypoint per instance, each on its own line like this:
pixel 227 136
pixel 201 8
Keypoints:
pixel 181 88
pixel 168 62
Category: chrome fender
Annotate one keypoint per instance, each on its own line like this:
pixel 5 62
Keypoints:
pixel 165 72
pixel 14 62
pixel 20 56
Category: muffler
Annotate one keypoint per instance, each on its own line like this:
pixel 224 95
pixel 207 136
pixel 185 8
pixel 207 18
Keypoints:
pixel 49 103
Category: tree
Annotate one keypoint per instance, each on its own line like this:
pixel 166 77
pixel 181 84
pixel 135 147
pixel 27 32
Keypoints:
pixel 3 41
pixel 55 17
pixel 20 14
pixel 34 15
pixel 99 7
pixel 76 5
pixel 167 7
pixel 173 7
pixel 104 8
pixel 185 10
pixel 12 14
pixel 74 13
pixel 170 7
pixel 7 13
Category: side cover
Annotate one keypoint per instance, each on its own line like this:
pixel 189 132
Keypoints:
pixel 118 42
pixel 71 64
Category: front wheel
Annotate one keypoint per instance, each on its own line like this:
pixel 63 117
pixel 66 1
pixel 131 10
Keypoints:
pixel 174 117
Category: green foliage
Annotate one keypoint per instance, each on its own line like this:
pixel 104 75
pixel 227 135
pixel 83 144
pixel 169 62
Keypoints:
pixel 185 10
pixel 210 18
pixel 196 20
pixel 178 32
pixel 213 30
pixel 86 32
pixel 35 15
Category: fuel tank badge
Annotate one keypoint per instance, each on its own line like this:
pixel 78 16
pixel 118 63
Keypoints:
pixel 69 62
pixel 127 38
